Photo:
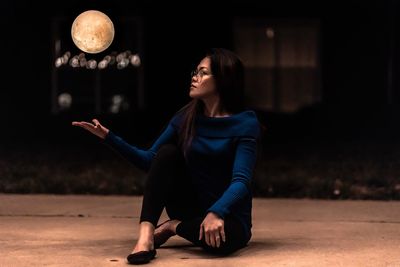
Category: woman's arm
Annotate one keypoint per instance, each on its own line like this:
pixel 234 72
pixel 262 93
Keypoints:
pixel 245 159
pixel 139 157
pixel 212 227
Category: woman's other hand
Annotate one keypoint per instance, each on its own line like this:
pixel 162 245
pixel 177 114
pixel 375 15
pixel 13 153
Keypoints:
pixel 95 128
pixel 212 228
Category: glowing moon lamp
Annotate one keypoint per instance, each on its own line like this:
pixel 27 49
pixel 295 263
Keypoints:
pixel 92 31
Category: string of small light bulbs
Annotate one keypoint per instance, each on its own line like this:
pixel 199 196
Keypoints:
pixel 93 32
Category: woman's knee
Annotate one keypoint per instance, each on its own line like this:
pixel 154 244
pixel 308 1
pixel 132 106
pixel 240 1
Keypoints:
pixel 167 167
pixel 235 238
pixel 169 152
pixel 189 229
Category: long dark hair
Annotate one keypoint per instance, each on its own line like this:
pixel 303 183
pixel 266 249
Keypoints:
pixel 228 73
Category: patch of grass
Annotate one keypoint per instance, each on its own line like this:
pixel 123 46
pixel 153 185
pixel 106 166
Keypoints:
pixel 350 171
pixel 345 171
pixel 68 172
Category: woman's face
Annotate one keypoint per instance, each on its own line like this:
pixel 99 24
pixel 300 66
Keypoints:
pixel 203 83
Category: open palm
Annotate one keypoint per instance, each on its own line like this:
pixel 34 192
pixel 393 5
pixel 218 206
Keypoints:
pixel 95 128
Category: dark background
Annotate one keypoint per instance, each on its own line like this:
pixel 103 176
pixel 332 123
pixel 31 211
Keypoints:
pixel 356 121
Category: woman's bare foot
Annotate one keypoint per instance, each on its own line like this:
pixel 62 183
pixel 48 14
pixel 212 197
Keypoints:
pixel 146 238
pixel 143 246
pixel 163 232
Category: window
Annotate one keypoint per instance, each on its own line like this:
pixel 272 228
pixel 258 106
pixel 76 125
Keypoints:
pixel 282 62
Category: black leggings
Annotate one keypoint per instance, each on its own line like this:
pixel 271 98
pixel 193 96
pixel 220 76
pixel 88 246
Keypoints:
pixel 168 185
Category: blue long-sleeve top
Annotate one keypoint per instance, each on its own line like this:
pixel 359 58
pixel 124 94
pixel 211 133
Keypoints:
pixel 220 160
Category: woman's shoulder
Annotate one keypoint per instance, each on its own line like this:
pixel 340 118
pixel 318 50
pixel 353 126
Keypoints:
pixel 177 119
pixel 248 116
pixel 242 124
pixel 248 123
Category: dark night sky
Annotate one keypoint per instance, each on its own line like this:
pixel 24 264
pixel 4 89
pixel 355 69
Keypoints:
pixel 355 52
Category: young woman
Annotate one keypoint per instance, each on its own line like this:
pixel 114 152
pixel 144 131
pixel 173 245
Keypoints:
pixel 201 166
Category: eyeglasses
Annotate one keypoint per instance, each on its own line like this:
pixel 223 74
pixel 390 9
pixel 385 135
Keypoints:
pixel 199 73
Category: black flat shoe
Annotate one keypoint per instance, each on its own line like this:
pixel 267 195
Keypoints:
pixel 163 223
pixel 141 257
pixel 161 238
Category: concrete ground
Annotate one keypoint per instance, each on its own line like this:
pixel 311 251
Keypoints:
pixel 48 230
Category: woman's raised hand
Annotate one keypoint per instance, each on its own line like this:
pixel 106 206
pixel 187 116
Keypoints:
pixel 95 128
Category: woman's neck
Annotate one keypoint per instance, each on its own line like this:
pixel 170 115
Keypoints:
pixel 212 108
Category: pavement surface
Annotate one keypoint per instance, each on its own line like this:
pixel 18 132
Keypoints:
pixel 50 230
